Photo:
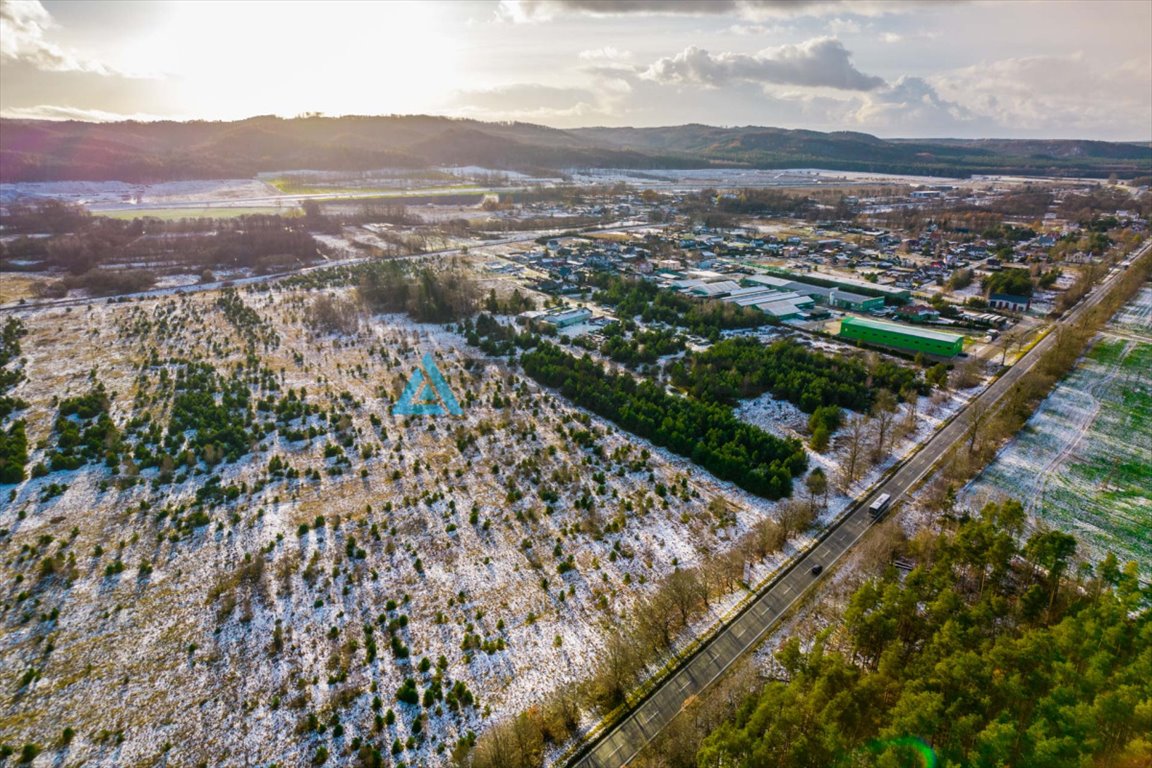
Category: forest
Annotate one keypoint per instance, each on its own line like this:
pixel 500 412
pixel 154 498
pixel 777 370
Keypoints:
pixel 989 652
pixel 740 368
pixel 707 433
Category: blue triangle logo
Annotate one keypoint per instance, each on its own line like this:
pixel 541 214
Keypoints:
pixel 427 394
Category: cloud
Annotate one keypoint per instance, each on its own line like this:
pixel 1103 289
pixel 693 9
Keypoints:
pixel 55 112
pixel 820 62
pixel 1068 95
pixel 912 105
pixel 542 10
pixel 528 101
pixel 607 54
pixel 24 25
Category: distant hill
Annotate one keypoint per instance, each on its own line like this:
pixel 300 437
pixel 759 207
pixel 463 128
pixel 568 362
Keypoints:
pixel 137 152
pixel 849 151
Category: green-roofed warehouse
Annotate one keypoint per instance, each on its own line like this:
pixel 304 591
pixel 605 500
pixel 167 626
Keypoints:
pixel 901 337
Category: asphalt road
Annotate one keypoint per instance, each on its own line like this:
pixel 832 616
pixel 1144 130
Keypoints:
pixel 624 741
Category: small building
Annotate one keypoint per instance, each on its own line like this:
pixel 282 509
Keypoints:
pixel 566 317
pixel 1009 302
pixel 901 337
pixel 847 300
pixel 918 312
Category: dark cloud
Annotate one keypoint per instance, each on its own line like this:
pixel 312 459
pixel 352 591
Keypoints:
pixel 528 10
pixel 822 62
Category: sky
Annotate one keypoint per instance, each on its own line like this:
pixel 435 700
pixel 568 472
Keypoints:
pixel 907 68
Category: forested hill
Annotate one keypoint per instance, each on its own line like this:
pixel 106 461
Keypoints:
pixel 33 150
pixel 850 151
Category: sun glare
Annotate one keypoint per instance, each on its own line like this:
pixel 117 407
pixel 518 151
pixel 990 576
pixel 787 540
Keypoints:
pixel 289 58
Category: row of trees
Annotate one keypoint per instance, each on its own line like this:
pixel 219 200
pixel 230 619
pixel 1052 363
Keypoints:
pixel 739 368
pixel 13 440
pixel 984 655
pixel 79 243
pixel 706 432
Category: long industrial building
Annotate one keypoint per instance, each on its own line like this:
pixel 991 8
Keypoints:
pixel 901 337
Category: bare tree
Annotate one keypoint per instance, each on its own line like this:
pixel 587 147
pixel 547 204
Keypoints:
pixel 685 592
pixel 817 485
pixel 911 414
pixel 617 670
pixel 1007 341
pixel 855 432
pixel 883 413
pixel 795 517
pixel 978 414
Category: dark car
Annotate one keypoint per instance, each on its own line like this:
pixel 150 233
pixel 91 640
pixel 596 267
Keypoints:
pixel 816 570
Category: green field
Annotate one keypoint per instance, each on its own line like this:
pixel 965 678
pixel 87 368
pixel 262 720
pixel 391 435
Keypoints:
pixel 1083 463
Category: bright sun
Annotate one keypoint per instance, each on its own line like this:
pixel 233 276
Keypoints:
pixel 288 58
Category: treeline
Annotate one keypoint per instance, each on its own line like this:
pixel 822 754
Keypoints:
pixel 79 243
pixel 652 304
pixel 706 432
pixel 740 368
pixel 984 655
pixel 427 294
pixel 13 440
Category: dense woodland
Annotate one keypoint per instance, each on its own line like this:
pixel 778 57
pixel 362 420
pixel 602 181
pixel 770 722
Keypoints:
pixel 740 368
pixel 708 433
pixel 988 653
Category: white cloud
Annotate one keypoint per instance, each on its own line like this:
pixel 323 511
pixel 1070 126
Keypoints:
pixel 911 106
pixel 840 26
pixel 56 112
pixel 820 62
pixel 607 54
pixel 531 102
pixel 24 27
pixel 1071 94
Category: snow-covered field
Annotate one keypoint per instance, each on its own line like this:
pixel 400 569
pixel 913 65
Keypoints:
pixel 461 522
pixel 1083 462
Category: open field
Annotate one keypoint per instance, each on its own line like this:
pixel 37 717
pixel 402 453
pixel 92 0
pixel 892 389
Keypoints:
pixel 1084 460
pixel 14 287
